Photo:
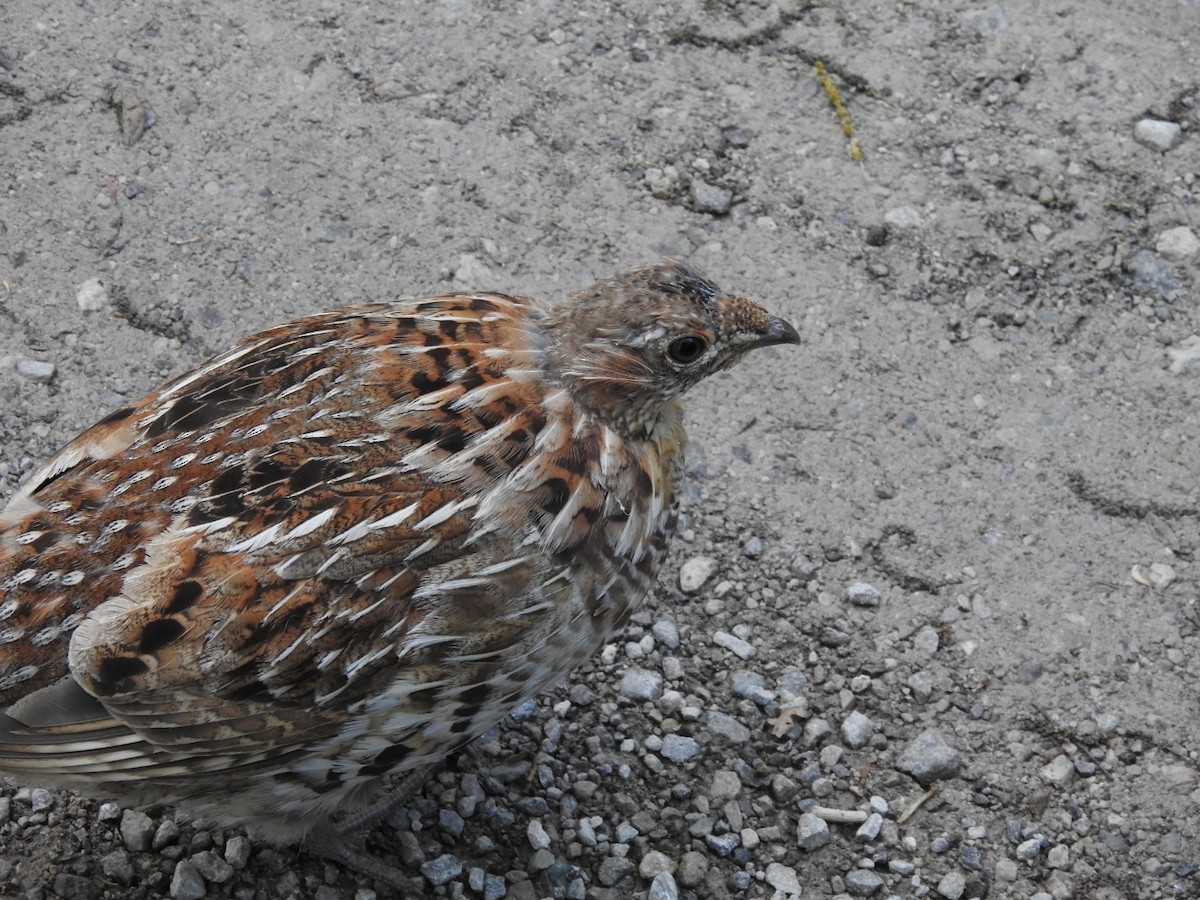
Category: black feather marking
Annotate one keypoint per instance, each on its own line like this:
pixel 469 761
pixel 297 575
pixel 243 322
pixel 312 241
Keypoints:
pixel 158 634
pixel 186 594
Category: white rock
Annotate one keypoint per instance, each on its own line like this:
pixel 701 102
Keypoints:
pixel 862 594
pixel 696 571
pixel 36 370
pixel 538 839
pixel 734 645
pixel 952 886
pixel 812 832
pixel 1060 771
pixel 1177 244
pixel 783 879
pixel 869 830
pixel 857 729
pixel 92 295
pixel 1157 134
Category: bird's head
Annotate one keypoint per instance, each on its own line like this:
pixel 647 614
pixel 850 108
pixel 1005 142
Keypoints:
pixel 630 345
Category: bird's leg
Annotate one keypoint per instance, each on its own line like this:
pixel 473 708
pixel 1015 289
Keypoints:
pixel 342 842
pixel 395 799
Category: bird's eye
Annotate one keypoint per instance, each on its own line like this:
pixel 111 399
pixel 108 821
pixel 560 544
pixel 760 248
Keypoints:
pixel 688 349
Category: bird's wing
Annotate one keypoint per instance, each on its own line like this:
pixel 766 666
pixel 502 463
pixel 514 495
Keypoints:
pixel 236 560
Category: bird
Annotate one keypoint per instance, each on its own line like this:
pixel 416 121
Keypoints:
pixel 348 546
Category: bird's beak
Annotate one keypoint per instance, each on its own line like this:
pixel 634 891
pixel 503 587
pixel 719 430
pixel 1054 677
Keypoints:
pixel 777 332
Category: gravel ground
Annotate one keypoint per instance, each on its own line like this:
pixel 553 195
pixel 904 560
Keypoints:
pixel 931 628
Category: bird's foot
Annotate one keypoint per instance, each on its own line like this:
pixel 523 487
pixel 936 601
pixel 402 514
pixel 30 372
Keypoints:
pixel 343 841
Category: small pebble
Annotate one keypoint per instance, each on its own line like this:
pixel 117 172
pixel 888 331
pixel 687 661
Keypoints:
pixel 1028 851
pixel 922 686
pixel 653 863
pixel 751 686
pixel 108 812
pixel 929 758
pixel 869 830
pixel 709 198
pixel 1060 886
pixel 663 887
pixel 73 887
pixel 857 729
pixel 212 867
pixel 952 886
pixel 734 645
pixel 666 633
pixel 41 799
pixel 1060 771
pixel 926 640
pixel 862 882
pixel 725 726
pixel 92 295
pixel 802 565
pixel 815 729
pixel 536 833
pixel 641 685
pixel 186 883
pixel 693 866
pixel 137 830
pixel 36 370
pixel 1157 134
pixel 783 788
pixel 442 870
pixel 1177 244
pixel 451 822
pixel 166 834
pixel 678 749
pixel 1006 870
pixel 722 844
pixel 862 594
pixel 237 851
pixel 117 866
pixel 695 572
pixel 725 786
pixel 783 879
pixel 612 869
pixel 812 832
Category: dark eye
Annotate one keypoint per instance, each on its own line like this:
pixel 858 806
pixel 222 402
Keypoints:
pixel 688 349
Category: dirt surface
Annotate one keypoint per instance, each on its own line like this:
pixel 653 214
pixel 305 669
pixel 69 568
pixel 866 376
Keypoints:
pixel 967 505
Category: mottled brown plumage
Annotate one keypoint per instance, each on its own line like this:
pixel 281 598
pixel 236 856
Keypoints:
pixel 349 545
